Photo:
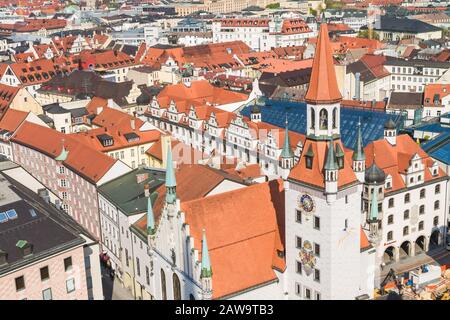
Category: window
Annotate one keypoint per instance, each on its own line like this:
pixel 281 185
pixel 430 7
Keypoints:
pixel 390 235
pixel 436 221
pixel 391 219
pixel 317 296
pixel 436 205
pixel 299 267
pixel 298 216
pixel 126 258
pixel 70 285
pixel 437 189
pixel 298 242
pixel 138 267
pixel 407 198
pixel 317 275
pixel 176 287
pixel 421 225
pixel 307 293
pixel 20 283
pixel 391 203
pixel 163 285
pixel 44 273
pixel 316 223
pixel 406 231
pixel 422 193
pixel 298 289
pixel 317 249
pixel 68 264
pixel 147 275
pixel 61 170
pixel 422 209
pixel 47 294
pixel 406 215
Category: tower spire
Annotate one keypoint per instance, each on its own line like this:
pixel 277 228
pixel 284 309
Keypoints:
pixel 359 155
pixel 286 152
pixel 150 217
pixel 330 162
pixel 171 182
pixel 206 264
pixel 323 88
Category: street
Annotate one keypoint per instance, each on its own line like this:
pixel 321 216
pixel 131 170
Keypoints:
pixel 113 290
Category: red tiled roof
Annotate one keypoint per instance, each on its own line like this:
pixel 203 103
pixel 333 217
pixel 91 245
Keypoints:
pixel 12 119
pixel 244 229
pixel 394 160
pixel 7 95
pixel 435 92
pixel 85 161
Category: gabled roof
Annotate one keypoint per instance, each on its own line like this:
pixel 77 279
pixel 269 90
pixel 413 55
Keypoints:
pixel 323 86
pixel 394 160
pixel 7 95
pixel 245 229
pixel 85 161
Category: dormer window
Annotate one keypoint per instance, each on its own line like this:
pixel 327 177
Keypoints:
pixel 106 140
pixel 309 157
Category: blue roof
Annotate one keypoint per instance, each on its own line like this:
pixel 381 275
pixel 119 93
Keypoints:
pixel 439 147
pixel 436 127
pixel 372 122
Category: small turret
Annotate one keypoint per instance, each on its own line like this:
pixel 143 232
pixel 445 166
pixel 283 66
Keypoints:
pixel 287 155
pixel 373 216
pixel 150 218
pixel 359 158
pixel 390 132
pixel 206 271
pixel 255 112
pixel 171 183
pixel 331 171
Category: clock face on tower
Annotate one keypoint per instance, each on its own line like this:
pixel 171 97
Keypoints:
pixel 306 203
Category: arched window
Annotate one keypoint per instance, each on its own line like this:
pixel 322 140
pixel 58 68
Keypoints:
pixel 191 297
pixel 323 120
pixel 176 287
pixel 334 118
pixel 313 118
pixel 163 285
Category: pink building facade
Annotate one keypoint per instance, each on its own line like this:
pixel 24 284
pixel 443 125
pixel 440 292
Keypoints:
pixel 78 195
pixel 64 282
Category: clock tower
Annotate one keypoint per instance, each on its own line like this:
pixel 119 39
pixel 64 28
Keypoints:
pixel 323 198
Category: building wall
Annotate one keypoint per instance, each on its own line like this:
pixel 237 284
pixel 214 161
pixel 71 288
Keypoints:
pixel 79 196
pixel 340 258
pixel 57 281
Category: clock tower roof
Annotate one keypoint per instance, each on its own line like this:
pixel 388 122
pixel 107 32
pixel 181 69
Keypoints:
pixel 323 88
pixel 311 165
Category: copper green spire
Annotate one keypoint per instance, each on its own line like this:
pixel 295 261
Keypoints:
pixel 64 153
pixel 374 205
pixel 206 264
pixel 150 217
pixel 359 155
pixel 286 152
pixel 171 182
pixel 330 162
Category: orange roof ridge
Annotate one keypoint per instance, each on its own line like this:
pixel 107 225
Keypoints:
pixel 323 86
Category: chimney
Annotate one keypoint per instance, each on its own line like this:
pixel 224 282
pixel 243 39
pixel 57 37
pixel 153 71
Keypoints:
pixel 3 258
pixel 133 123
pixel 99 110
pixel 147 191
pixel 25 247
pixel 357 85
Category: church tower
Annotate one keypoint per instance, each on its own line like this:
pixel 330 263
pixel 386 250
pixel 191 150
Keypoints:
pixel 323 97
pixel 323 198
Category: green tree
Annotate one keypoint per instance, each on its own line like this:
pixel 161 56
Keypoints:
pixel 273 6
pixel 365 34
